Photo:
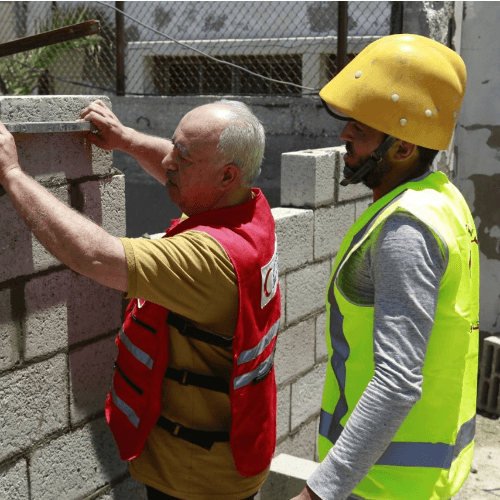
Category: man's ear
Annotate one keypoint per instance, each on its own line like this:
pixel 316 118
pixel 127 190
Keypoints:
pixel 405 150
pixel 230 176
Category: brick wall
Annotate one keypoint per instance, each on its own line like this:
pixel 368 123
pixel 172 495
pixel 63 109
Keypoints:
pixel 57 328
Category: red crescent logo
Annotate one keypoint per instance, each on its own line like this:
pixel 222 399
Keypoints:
pixel 265 282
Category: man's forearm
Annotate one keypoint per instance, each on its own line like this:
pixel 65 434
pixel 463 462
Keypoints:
pixel 149 152
pixel 74 240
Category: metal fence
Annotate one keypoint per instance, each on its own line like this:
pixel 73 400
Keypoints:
pixel 191 48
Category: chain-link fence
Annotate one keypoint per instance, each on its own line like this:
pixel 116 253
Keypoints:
pixel 190 48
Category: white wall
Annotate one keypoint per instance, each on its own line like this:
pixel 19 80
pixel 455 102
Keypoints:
pixel 478 147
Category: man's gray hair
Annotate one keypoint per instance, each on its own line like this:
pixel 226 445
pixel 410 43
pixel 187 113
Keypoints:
pixel 242 142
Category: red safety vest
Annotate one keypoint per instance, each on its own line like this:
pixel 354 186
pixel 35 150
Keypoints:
pixel 133 406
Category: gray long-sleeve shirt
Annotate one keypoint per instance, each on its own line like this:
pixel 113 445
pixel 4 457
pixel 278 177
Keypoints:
pixel 397 270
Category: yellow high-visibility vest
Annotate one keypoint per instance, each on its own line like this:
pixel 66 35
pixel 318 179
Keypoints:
pixel 430 455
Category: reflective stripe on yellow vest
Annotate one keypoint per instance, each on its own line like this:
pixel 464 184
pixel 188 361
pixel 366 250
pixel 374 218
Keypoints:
pixel 430 455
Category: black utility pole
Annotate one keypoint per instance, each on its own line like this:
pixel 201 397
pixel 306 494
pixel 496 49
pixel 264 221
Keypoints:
pixel 396 18
pixel 342 37
pixel 120 49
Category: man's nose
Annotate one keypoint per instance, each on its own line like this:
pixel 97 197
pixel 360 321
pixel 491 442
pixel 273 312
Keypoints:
pixel 169 162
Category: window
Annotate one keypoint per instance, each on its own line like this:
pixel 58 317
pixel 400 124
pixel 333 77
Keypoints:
pixel 201 75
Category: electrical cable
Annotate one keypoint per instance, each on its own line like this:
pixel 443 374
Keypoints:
pixel 203 53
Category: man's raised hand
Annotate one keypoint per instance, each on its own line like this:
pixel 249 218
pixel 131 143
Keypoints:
pixel 8 153
pixel 110 133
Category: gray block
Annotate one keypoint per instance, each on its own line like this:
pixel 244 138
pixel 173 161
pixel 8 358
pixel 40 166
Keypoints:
pixel 295 232
pixel 295 351
pixel 302 443
pixel 287 477
pixel 55 155
pixel 330 226
pixel 75 465
pixel 46 319
pixel 20 252
pixel 489 380
pixel 34 404
pixel 282 284
pixel 307 393
pixel 321 349
pixel 104 203
pixel 130 489
pixel 362 206
pixel 93 309
pixel 14 481
pixel 307 177
pixel 90 373
pixel 9 335
pixel 305 290
pixel 283 413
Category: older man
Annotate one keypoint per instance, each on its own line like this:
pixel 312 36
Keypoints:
pixel 193 398
pixel 398 413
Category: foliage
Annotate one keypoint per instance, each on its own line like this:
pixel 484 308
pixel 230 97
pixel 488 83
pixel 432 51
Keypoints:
pixel 21 72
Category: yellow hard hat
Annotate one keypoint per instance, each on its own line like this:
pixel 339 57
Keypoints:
pixel 407 86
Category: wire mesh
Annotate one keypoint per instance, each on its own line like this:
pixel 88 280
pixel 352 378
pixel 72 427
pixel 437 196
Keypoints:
pixel 237 48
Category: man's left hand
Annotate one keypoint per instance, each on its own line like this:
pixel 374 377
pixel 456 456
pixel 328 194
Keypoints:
pixel 307 494
pixel 8 153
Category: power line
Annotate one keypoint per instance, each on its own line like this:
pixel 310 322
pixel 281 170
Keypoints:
pixel 204 53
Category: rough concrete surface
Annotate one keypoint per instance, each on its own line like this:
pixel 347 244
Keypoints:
pixel 484 482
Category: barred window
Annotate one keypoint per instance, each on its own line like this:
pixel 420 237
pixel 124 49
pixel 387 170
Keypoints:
pixel 185 75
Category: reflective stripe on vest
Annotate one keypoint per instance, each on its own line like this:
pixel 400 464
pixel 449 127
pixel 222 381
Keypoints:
pixel 260 372
pixel 138 354
pixel 125 408
pixel 401 454
pixel 250 354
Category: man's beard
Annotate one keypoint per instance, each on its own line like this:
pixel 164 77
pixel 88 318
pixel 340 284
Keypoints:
pixel 374 177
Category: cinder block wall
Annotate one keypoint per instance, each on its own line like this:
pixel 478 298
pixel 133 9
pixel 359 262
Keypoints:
pixel 310 225
pixel 57 328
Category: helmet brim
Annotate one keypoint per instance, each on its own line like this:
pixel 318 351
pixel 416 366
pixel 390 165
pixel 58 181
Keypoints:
pixel 336 113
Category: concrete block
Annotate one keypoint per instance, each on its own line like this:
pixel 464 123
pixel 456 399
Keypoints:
pixel 307 393
pixel 489 380
pixel 305 290
pixel 287 477
pixel 34 404
pixel 283 415
pixel 330 226
pixel 103 202
pixel 20 252
pixel 93 309
pixel 301 443
pixel 295 351
pixel 321 349
pixel 90 373
pixel 9 352
pixel 55 155
pixel 361 206
pixel 351 191
pixel 76 464
pixel 282 283
pixel 46 320
pixel 130 489
pixel 307 177
pixel 295 233
pixel 14 481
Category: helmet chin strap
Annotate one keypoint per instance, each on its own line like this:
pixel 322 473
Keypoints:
pixel 356 176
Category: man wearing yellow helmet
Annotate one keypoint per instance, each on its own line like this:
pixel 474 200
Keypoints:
pixel 398 413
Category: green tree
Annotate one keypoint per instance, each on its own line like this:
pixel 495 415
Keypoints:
pixel 21 72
